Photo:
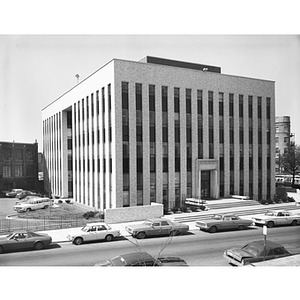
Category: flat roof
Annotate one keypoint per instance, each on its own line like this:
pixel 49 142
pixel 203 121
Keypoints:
pixel 180 64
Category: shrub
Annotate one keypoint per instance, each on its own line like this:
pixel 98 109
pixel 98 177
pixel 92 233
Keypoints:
pixel 89 214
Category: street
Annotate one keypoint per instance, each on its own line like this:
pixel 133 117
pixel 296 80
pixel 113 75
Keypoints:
pixel 197 248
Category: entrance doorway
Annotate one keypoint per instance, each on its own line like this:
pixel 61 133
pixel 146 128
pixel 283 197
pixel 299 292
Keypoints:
pixel 205 184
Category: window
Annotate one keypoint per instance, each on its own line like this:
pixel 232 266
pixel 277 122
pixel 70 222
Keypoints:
pixel 210 102
pixel 6 171
pixel 69 143
pixel 250 98
pixel 165 134
pixel 176 100
pixel 19 154
pixel 241 112
pixel 29 154
pixel 259 107
pixel 6 154
pixel 138 96
pixel 125 95
pixel 199 101
pixel 231 97
pixel 69 119
pixel 151 97
pixel 221 104
pixel 164 96
pixel 188 95
pixel 18 171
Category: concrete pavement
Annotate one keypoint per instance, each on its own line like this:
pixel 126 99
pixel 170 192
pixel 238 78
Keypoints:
pixel 247 212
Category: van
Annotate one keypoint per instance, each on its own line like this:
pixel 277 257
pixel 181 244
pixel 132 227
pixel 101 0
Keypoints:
pixel 33 204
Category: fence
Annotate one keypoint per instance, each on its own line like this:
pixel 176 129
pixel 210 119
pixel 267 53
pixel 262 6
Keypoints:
pixel 41 224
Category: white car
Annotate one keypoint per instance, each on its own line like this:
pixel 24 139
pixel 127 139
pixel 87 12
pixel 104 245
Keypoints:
pixel 277 217
pixel 93 232
pixel 32 204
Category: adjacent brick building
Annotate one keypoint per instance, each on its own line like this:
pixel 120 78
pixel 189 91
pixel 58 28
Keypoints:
pixel 18 166
pixel 160 130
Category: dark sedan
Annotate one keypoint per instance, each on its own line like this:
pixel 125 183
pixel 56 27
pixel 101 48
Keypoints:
pixel 142 259
pixel 255 252
pixel 156 227
pixel 24 240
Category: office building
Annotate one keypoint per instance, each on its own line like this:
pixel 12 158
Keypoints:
pixel 160 130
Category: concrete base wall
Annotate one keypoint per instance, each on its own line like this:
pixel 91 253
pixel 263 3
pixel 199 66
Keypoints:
pixel 134 213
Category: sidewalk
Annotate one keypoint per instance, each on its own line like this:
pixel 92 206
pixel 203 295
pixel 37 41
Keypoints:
pixel 60 235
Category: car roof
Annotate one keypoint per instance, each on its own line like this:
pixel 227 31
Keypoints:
pixel 95 224
pixel 157 219
pixel 136 256
pixel 269 244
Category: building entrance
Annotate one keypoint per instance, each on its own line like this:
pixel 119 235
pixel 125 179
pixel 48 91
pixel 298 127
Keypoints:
pixel 205 184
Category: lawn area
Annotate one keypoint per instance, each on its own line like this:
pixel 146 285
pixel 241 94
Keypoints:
pixel 58 211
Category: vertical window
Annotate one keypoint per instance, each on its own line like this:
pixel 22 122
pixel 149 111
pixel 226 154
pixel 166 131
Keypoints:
pixel 152 97
pixel 125 95
pixel 221 104
pixel 268 108
pixel 210 102
pixel 241 103
pixel 18 171
pixel 176 100
pixel 6 171
pixel 164 97
pixel 259 107
pixel 138 96
pixel 250 106
pixel 188 94
pixel 231 97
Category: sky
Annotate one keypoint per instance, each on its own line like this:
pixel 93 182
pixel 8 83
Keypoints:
pixel 38 68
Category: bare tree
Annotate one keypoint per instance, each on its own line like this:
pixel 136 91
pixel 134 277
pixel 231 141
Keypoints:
pixel 290 161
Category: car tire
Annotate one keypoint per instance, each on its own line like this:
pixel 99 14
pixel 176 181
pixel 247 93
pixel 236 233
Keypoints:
pixel 28 209
pixel 270 224
pixel 294 223
pixel 38 246
pixel 141 235
pixel 78 241
pixel 46 206
pixel 241 227
pixel 213 229
pixel 109 238
pixel 1 249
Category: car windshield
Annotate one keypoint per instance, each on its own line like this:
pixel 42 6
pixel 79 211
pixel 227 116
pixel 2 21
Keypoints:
pixel 217 217
pixel 269 213
pixel 85 228
pixel 118 261
pixel 148 223
pixel 10 235
pixel 251 249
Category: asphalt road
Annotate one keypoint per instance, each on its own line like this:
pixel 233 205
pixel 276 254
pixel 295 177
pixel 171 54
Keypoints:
pixel 197 248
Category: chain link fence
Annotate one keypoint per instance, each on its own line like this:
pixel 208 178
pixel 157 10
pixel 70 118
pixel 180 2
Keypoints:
pixel 41 224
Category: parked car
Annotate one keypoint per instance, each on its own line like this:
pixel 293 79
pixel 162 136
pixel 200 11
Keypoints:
pixel 33 204
pixel 255 252
pixel 24 194
pixel 13 193
pixel 22 240
pixel 223 222
pixel 156 227
pixel 142 259
pixel 277 217
pixel 93 232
